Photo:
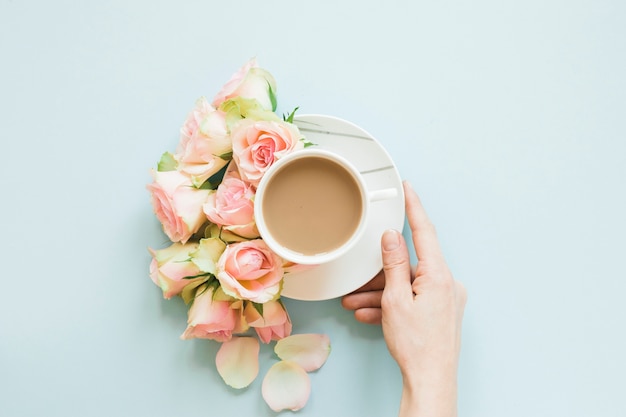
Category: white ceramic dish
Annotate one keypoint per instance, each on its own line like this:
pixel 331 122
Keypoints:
pixel 363 261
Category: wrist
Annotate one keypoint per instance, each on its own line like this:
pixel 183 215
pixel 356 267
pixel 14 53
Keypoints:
pixel 429 394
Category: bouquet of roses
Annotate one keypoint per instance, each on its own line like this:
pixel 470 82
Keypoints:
pixel 203 196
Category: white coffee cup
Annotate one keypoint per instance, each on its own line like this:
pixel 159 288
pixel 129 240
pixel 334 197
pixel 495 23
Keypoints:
pixel 312 206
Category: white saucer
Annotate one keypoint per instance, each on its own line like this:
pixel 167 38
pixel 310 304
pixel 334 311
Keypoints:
pixel 363 262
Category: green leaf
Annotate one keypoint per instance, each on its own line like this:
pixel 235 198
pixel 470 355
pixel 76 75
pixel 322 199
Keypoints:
pixel 214 180
pixel 289 118
pixel 258 307
pixel 272 96
pixel 207 186
pixel 226 156
pixel 204 274
pixel 218 176
pixel 167 163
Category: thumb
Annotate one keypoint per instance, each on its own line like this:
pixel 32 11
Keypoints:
pixel 396 265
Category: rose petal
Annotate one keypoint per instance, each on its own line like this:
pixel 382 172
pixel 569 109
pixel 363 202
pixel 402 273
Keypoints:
pixel 286 386
pixel 310 351
pixel 208 253
pixel 237 361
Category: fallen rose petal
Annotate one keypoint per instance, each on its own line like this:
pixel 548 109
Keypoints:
pixel 286 386
pixel 237 361
pixel 310 351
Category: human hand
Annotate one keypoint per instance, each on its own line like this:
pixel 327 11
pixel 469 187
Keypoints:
pixel 365 301
pixel 421 314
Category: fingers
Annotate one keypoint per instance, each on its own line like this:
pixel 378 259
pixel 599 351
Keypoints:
pixel 424 235
pixel 369 315
pixel 396 266
pixel 366 306
pixel 368 299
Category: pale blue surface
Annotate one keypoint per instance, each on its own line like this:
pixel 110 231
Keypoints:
pixel 508 118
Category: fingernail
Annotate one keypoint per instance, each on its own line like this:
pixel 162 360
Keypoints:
pixel 390 240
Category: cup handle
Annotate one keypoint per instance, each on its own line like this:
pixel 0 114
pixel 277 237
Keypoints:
pixel 384 194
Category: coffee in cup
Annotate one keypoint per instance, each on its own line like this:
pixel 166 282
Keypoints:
pixel 311 206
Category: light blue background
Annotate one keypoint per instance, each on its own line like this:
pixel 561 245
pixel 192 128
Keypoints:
pixel 507 117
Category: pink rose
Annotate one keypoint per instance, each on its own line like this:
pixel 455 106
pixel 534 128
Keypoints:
pixel 274 324
pixel 249 270
pixel 249 82
pixel 232 205
pixel 177 204
pixel 194 118
pixel 204 146
pixel 258 144
pixel 171 268
pixel 212 317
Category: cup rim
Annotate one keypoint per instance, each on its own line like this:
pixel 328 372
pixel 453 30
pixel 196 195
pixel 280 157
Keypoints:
pixel 298 257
